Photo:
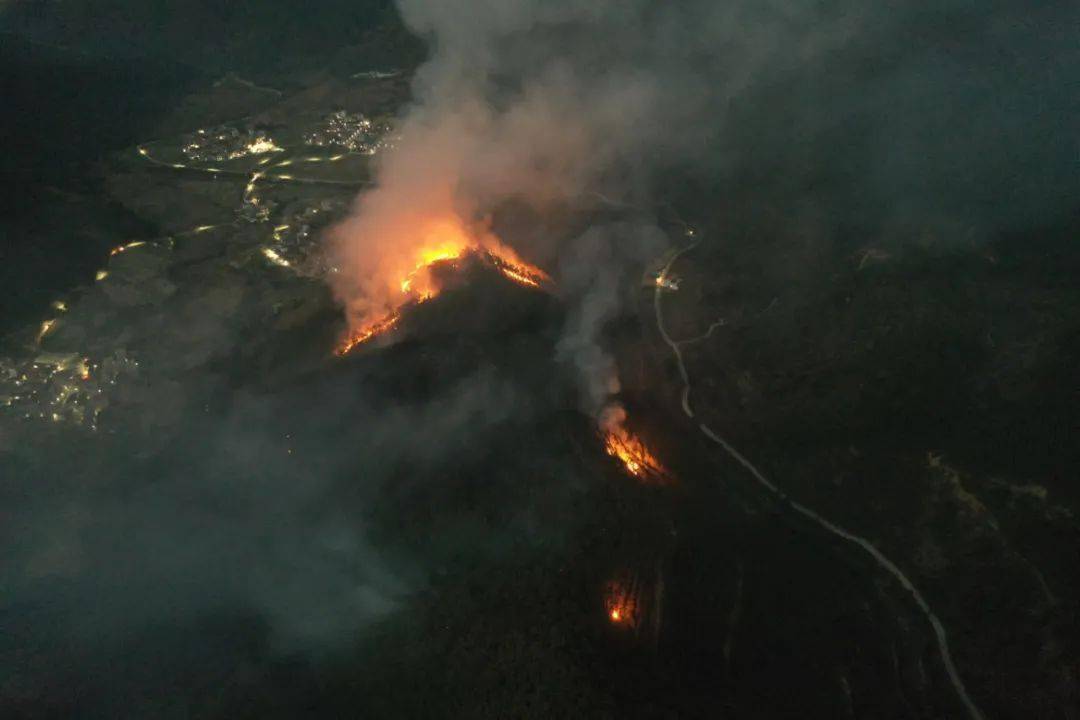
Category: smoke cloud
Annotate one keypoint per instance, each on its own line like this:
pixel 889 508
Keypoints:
pixel 594 270
pixel 216 500
pixel 898 120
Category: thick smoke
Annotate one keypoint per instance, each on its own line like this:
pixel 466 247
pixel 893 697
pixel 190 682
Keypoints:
pixel 219 502
pixel 593 273
pixel 897 120
pixel 234 507
pixel 263 508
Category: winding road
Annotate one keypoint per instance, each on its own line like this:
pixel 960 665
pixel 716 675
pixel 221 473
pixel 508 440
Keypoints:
pixel 882 561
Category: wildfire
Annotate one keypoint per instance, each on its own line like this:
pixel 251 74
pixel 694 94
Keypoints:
pixel 367 332
pixel 512 267
pixel 622 600
pixel 443 241
pixel 635 457
pixel 519 277
pixel 419 282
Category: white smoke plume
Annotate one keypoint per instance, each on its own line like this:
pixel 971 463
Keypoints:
pixel 520 101
pixel 865 114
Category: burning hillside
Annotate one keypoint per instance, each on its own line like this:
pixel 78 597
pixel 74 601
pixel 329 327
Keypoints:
pixel 622 598
pixel 636 458
pixel 634 601
pixel 443 245
pixel 363 334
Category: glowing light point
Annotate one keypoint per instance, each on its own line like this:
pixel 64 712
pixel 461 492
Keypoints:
pixel 123 248
pixel 45 328
pixel 262 145
pixel 276 259
pixel 667 283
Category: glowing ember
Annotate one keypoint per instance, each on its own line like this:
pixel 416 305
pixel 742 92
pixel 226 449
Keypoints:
pixel 622 600
pixel 366 333
pixel 632 453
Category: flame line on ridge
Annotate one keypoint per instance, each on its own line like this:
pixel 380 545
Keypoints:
pixel 518 272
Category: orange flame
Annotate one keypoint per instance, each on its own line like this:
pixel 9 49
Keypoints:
pixel 366 333
pixel 629 449
pixel 621 600
pixel 511 266
pixel 519 277
pixel 442 240
pixel 635 457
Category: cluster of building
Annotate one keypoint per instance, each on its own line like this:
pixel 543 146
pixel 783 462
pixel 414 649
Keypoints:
pixel 354 132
